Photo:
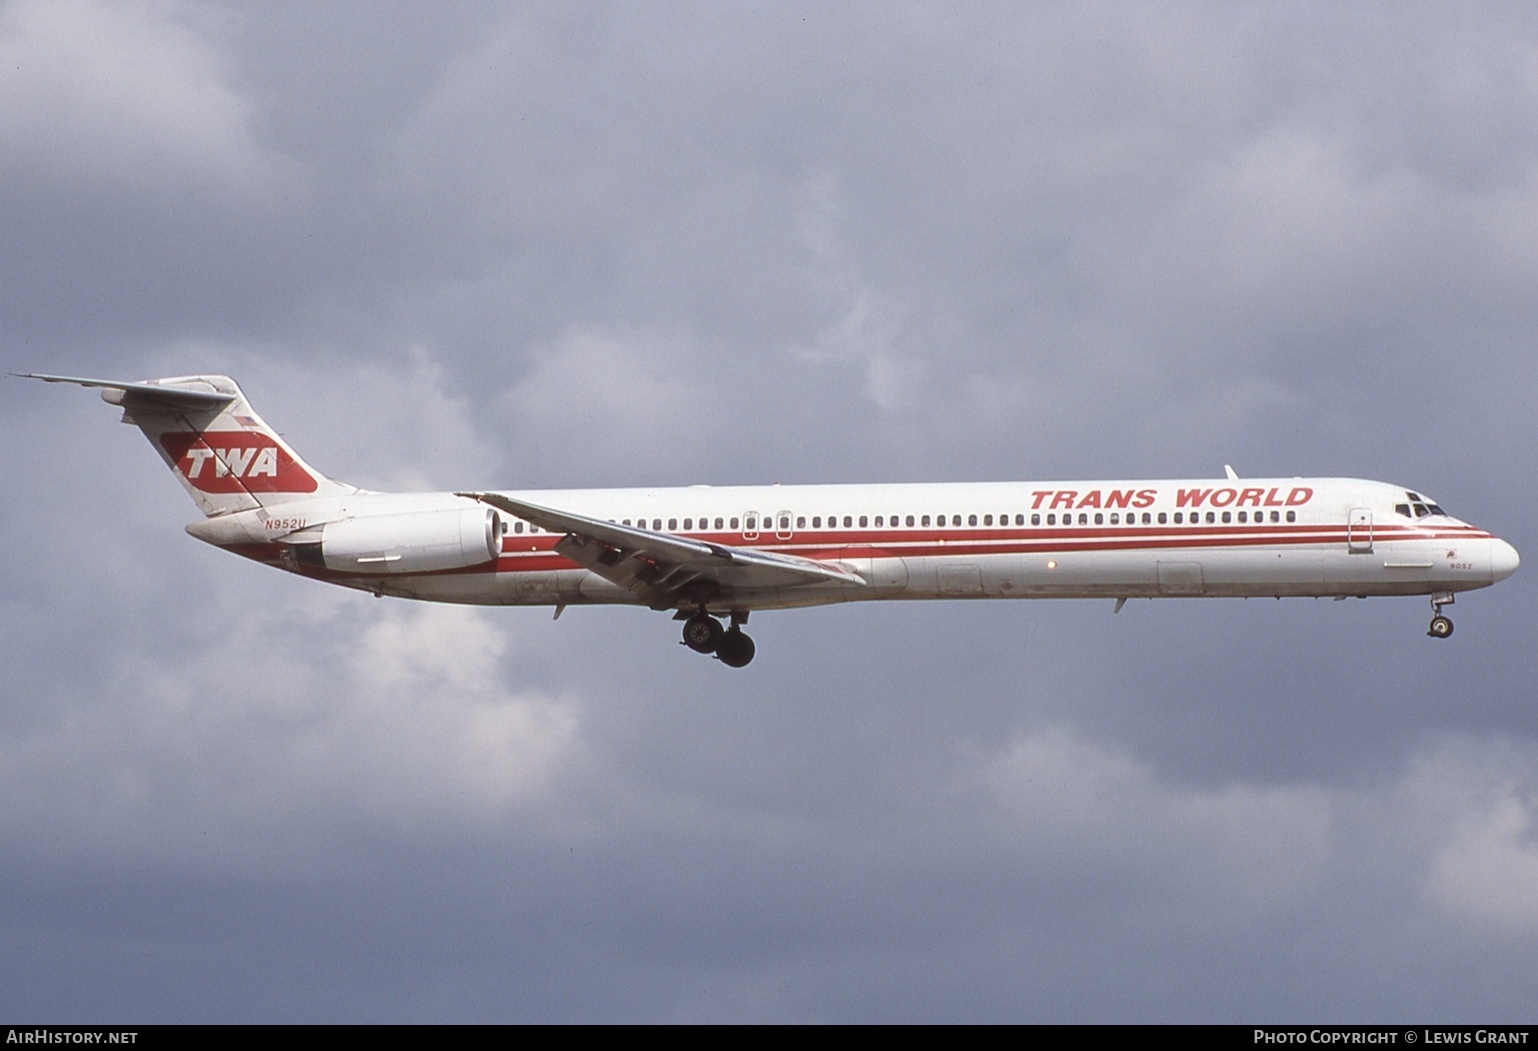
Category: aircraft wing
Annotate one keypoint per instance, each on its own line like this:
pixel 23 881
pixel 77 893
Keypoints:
pixel 666 570
pixel 153 394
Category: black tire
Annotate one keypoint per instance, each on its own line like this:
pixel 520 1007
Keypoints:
pixel 735 649
pixel 1441 627
pixel 702 634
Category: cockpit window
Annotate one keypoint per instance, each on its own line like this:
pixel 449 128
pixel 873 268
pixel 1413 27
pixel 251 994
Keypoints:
pixel 1418 507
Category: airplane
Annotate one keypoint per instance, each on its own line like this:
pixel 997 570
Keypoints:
pixel 712 554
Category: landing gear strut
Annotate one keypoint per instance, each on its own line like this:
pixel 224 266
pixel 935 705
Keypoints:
pixel 732 646
pixel 1441 627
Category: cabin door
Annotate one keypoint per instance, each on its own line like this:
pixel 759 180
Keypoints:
pixel 1359 531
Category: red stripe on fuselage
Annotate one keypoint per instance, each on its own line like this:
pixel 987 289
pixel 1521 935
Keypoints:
pixel 534 553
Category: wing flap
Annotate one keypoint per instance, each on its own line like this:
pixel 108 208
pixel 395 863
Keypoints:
pixel 661 568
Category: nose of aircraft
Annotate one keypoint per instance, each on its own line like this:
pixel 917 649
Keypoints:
pixel 1503 560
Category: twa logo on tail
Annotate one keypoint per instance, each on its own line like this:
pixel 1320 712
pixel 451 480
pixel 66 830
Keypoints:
pixel 236 461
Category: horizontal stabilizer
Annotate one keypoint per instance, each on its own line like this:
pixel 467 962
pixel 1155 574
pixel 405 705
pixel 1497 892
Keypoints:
pixel 142 394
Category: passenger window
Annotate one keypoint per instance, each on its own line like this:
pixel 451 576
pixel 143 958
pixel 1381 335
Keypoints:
pixel 909 520
pixel 924 521
pixel 1227 517
pixel 987 520
pixel 734 525
pixel 971 520
pixel 1036 520
pixel 1162 518
pixel 800 521
pixel 862 522
pixel 878 521
pixel 1099 518
pixel 848 521
pixel 1243 517
pixel 955 520
pixel 1292 516
pixel 688 524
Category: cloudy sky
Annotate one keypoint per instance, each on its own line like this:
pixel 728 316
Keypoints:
pixel 525 245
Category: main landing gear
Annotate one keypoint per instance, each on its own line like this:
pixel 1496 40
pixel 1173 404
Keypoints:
pixel 732 646
pixel 1441 627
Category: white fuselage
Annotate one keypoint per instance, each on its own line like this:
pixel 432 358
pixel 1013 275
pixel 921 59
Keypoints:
pixel 1117 539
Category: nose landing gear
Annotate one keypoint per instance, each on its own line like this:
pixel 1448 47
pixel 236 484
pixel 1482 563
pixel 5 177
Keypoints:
pixel 732 646
pixel 1441 627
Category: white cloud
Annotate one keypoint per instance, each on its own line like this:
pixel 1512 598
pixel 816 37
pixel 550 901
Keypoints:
pixel 127 93
pixel 613 402
pixel 1239 848
pixel 1486 874
pixel 867 325
pixel 254 745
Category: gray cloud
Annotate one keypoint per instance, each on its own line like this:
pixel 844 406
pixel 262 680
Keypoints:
pixel 659 244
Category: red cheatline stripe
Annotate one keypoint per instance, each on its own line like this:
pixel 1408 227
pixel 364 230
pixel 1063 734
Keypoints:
pixel 1044 541
pixel 895 538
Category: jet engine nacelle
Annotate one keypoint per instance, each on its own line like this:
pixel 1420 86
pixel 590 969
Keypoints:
pixel 412 542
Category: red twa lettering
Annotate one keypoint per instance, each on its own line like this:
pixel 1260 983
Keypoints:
pixel 1191 497
pixel 235 461
pixel 1300 495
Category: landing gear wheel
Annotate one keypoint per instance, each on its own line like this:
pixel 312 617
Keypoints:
pixel 735 649
pixel 703 633
pixel 1440 628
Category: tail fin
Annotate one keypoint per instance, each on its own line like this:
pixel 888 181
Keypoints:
pixel 220 450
